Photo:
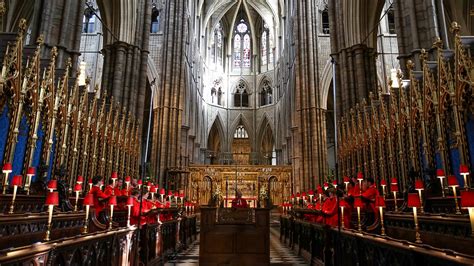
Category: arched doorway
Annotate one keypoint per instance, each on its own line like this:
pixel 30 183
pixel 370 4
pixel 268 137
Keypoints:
pixel 241 145
pixel 214 143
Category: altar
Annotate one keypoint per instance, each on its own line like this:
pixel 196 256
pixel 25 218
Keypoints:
pixel 255 182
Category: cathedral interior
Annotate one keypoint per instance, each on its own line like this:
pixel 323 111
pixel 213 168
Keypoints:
pixel 237 132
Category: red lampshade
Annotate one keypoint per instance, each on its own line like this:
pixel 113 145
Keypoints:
pixel 326 185
pixel 414 200
pixel 380 201
pixel 292 196
pixel 176 194
pixel 320 190
pixel 383 182
pixel 129 201
pixel 419 185
pixel 358 202
pixel 170 193
pixel 394 181
pixel 128 179
pixel 53 184
pixel 140 182
pixel 31 171
pixel 440 173
pixel 17 180
pixel 80 179
pixel 346 179
pixel 334 183
pixel 181 195
pixel 467 198
pixel 311 192
pixel 7 168
pixel 114 175
pixel 360 176
pixel 113 201
pixel 149 184
pixel 463 169
pixel 153 189
pixel 298 195
pixel 52 198
pixel 394 188
pixel 88 200
pixel 90 181
pixel 77 188
pixel 162 191
pixel 453 181
pixel 303 194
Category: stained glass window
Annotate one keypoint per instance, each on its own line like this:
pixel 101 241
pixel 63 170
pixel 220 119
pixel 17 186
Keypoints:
pixel 242 45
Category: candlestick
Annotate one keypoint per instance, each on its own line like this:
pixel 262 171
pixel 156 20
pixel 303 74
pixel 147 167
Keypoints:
pixel 395 200
pixel 111 216
pixel 86 221
pixel 342 217
pixel 382 229
pixel 50 219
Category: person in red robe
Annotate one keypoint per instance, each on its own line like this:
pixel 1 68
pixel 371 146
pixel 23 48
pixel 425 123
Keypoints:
pixel 330 210
pixel 369 194
pixel 238 202
pixel 98 194
pixel 135 213
pixel 118 188
pixel 109 189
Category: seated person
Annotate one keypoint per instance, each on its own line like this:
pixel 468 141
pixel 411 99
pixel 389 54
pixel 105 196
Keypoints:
pixel 109 189
pixel 238 202
pixel 135 213
pixel 98 194
pixel 330 210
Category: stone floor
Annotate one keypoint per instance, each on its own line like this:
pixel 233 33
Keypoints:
pixel 279 253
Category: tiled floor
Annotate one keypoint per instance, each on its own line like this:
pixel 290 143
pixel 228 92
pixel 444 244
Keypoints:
pixel 279 253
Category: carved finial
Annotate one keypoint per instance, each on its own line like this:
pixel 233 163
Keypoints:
pixel 438 43
pixel 69 63
pixel 40 40
pixel 22 26
pixel 3 8
pixel 424 55
pixel 455 28
pixel 54 53
pixel 410 65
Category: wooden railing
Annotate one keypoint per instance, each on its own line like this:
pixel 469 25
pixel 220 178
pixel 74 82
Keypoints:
pixel 325 245
pixel 21 238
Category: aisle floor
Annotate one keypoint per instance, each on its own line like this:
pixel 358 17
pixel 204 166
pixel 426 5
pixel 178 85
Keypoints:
pixel 280 254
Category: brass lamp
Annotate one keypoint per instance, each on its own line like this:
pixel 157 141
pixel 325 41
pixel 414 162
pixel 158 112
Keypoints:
pixel 394 189
pixel 162 194
pixel 464 171
pixel 346 181
pixel 453 183
pixel 358 204
pixel 380 203
pixel 414 202
pixel 29 175
pixel 87 203
pixel 441 176
pixel 77 191
pixel 52 185
pixel 16 182
pixel 383 184
pixel 419 186
pixel 467 201
pixel 52 199
pixel 129 207
pixel 311 195
pixel 334 183
pixel 360 177
pixel 7 169
pixel 114 178
pixel 112 202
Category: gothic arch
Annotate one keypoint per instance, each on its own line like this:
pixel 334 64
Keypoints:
pixel 266 141
pixel 240 119
pixel 216 136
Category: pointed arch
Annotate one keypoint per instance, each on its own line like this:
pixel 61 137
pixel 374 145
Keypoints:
pixel 326 78
pixel 216 136
pixel 266 142
pixel 241 120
